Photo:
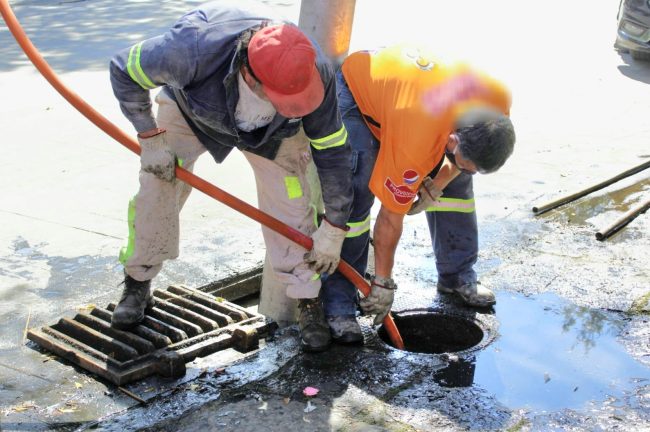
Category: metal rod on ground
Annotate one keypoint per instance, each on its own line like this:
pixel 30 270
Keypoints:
pixel 188 177
pixel 132 395
pixel 628 217
pixel 538 210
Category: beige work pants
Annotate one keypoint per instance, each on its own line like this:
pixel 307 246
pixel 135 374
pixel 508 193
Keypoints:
pixel 283 191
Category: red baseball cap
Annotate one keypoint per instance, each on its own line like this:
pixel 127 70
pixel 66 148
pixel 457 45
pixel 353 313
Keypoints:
pixel 284 61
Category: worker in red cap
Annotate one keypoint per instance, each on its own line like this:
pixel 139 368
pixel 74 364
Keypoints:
pixel 235 75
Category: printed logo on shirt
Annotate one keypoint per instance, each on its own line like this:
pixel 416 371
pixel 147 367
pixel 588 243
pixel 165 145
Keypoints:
pixel 410 176
pixel 422 62
pixel 401 193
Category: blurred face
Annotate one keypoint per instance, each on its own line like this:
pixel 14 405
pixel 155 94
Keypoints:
pixel 456 157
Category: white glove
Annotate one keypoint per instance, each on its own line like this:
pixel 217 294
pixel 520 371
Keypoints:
pixel 380 300
pixel 427 195
pixel 326 252
pixel 157 158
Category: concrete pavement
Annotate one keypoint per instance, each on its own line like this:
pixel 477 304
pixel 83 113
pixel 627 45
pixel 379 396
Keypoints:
pixel 580 110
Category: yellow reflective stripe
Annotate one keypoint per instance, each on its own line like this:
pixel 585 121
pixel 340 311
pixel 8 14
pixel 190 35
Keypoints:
pixel 293 187
pixel 315 277
pixel 358 228
pixel 334 140
pixel 135 70
pixel 313 207
pixel 453 205
pixel 127 251
pixel 180 162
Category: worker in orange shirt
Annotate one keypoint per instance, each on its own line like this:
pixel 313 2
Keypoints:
pixel 419 130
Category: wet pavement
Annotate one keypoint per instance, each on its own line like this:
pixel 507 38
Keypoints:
pixel 567 346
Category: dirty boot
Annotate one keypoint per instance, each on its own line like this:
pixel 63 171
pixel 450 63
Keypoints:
pixel 345 329
pixel 314 331
pixel 136 297
pixel 472 294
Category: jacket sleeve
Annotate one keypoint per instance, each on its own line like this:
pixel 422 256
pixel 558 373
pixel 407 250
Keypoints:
pixel 168 59
pixel 331 152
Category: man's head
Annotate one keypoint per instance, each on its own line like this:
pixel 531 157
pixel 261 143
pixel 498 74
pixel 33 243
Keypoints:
pixel 485 137
pixel 283 60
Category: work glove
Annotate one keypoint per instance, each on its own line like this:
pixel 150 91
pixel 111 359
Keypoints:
pixel 380 300
pixel 427 195
pixel 326 252
pixel 157 158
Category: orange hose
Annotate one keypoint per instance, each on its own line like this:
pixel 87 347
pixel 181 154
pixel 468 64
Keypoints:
pixel 193 180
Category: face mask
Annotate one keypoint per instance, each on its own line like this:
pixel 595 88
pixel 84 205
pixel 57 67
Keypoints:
pixel 452 158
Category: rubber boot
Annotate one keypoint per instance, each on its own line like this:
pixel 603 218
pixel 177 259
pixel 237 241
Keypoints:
pixel 345 329
pixel 471 294
pixel 314 331
pixel 136 297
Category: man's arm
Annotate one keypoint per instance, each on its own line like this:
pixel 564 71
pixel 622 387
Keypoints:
pixel 331 152
pixel 445 174
pixel 386 235
pixel 388 230
pixel 149 64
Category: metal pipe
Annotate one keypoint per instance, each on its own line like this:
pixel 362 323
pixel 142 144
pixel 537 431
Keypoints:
pixel 628 217
pixel 538 210
pixel 329 22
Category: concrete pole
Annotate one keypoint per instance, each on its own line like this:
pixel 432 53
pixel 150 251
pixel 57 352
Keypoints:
pixel 329 22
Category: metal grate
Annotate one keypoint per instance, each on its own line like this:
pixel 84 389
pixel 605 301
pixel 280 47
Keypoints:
pixel 184 324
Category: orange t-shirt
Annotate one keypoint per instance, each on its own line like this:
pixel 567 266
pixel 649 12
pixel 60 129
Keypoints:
pixel 411 102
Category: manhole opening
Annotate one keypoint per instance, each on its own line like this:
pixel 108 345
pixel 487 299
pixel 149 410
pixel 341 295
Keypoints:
pixel 434 333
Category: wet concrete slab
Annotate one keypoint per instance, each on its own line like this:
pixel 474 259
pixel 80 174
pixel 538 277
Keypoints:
pixel 569 347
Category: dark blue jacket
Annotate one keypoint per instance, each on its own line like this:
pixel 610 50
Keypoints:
pixel 197 62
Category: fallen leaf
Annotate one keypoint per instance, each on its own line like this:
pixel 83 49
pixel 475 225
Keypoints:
pixel 66 410
pixel 24 406
pixel 286 400
pixel 78 385
pixel 193 387
pixel 263 407
pixel 149 389
pixel 88 307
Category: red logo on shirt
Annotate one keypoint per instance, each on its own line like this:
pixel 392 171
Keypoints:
pixel 402 194
pixel 410 176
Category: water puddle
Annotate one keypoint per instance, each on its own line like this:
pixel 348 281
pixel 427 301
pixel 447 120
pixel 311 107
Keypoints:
pixel 549 354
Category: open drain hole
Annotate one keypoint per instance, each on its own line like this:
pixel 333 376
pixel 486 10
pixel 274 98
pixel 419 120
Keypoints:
pixel 434 332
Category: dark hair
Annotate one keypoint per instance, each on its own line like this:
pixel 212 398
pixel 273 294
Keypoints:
pixel 487 138
pixel 242 48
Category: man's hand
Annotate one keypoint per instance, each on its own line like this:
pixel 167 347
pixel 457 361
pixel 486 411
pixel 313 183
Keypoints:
pixel 427 194
pixel 156 156
pixel 380 300
pixel 326 252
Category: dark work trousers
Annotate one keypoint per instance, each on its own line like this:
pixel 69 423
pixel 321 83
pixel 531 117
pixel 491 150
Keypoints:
pixel 340 296
pixel 454 233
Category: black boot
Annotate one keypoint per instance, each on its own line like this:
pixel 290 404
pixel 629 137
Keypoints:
pixel 136 297
pixel 314 331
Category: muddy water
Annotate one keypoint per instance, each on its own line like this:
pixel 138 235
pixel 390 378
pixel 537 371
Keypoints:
pixel 548 355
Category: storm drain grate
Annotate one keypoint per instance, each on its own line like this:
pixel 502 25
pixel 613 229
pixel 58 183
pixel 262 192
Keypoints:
pixel 184 324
